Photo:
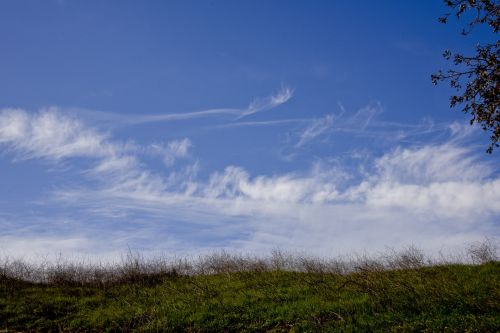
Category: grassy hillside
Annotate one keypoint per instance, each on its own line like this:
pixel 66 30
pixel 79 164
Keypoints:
pixel 229 297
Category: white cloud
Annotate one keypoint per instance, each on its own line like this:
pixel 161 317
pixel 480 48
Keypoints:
pixel 172 150
pixel 361 119
pixel 49 135
pixel 357 122
pixel 263 123
pixel 433 180
pixel 452 198
pixel 52 135
pixel 315 129
pixel 114 164
pixel 365 123
pixel 235 182
pixel 257 105
pixel 432 163
pixel 264 104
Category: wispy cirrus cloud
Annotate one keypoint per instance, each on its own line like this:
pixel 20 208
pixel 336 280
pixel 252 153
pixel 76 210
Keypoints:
pixel 356 123
pixel 366 122
pixel 46 134
pixel 264 104
pixel 283 95
pixel 264 123
pixel 315 129
pixel 172 150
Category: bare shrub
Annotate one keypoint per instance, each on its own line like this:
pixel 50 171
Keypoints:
pixel 407 258
pixel 281 261
pixel 311 265
pixel 364 263
pixel 220 262
pixel 483 252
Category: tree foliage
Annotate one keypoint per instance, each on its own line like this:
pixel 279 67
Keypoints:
pixel 476 77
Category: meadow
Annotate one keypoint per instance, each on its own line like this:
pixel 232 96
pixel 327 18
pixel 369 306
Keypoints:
pixel 222 292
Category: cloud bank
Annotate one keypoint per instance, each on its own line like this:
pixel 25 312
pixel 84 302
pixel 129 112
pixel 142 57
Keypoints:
pixel 433 195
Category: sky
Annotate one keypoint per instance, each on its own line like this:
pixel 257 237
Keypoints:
pixel 184 127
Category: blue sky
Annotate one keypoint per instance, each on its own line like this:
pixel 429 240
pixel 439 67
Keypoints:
pixel 189 126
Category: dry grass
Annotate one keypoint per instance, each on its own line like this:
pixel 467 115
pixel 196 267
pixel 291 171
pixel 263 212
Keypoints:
pixel 136 268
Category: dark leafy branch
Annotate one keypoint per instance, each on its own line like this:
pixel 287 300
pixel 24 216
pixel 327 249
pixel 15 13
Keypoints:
pixel 477 77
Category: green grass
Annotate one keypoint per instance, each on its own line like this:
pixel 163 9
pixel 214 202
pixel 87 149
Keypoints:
pixel 446 298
